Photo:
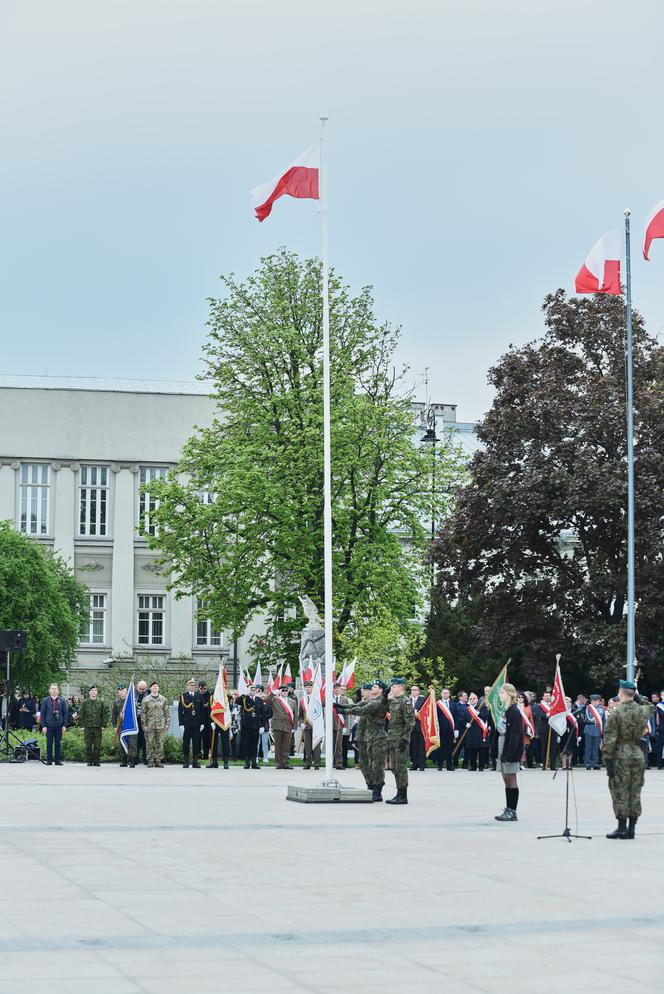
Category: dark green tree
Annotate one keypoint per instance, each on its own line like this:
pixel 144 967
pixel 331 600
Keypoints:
pixel 39 594
pixel 257 543
pixel 535 550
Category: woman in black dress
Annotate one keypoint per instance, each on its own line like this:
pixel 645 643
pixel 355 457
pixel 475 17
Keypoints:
pixel 507 749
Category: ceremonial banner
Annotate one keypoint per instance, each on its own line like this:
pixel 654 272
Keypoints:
pixel 299 179
pixel 129 717
pixel 493 700
pixel 427 719
pixel 600 273
pixel 348 675
pixel 654 228
pixel 558 709
pixel 220 711
pixel 314 712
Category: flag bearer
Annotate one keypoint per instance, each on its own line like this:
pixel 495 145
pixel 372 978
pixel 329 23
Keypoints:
pixel 190 719
pixel 93 716
pixel 623 757
pixel 310 754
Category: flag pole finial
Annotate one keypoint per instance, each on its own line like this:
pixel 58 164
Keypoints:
pixel 558 656
pixel 627 212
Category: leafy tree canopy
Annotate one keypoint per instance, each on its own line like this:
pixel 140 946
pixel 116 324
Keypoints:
pixel 536 550
pixel 39 594
pixel 258 543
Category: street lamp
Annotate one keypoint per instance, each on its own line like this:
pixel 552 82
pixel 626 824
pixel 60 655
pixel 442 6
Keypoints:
pixel 430 438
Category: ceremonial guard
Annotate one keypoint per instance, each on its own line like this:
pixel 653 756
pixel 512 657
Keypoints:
pixel 141 692
pixel 117 712
pixel 418 759
pixel 284 718
pixel 252 717
pixel 399 731
pixel 374 712
pixel 190 719
pixel 594 719
pixel 623 757
pixel 93 716
pixel 205 736
pixel 156 720
pixel 53 716
pixel 310 755
pixel 446 730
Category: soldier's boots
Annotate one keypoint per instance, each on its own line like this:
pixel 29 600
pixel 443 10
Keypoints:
pixel 620 832
pixel 507 815
pixel 133 764
pixel 214 765
pixel 631 827
pixel 401 796
pixel 377 794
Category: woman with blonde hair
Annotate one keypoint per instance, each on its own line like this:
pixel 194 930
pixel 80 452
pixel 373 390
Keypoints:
pixel 508 748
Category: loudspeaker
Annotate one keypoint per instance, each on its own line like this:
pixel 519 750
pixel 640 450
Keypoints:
pixel 13 639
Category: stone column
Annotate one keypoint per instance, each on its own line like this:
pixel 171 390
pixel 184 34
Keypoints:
pixel 122 576
pixel 64 509
pixel 8 510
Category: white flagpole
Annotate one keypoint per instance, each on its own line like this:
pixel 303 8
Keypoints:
pixel 327 466
pixel 631 641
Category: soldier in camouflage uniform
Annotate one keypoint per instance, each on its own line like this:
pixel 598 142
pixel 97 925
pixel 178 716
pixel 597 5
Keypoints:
pixel 374 711
pixel 623 757
pixel 402 719
pixel 92 718
pixel 360 734
pixel 155 719
pixel 116 721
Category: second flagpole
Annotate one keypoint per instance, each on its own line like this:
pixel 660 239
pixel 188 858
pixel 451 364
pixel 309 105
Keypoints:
pixel 327 469
pixel 631 641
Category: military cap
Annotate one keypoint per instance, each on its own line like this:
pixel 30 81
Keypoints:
pixel 191 683
pixel 308 683
pixel 595 697
pixel 122 686
pixel 398 681
pixel 379 683
pixel 367 686
pixel 93 686
pixel 155 683
pixel 627 685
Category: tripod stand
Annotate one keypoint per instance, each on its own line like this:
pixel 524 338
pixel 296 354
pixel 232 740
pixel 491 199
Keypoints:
pixel 9 741
pixel 567 831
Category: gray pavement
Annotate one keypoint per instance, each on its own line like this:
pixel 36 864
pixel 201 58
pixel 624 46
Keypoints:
pixel 119 881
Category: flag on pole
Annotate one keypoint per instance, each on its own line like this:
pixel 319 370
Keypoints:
pixel 220 711
pixel 348 675
pixel 307 671
pixel 270 685
pixel 314 712
pixel 493 697
pixel 242 684
pixel 299 179
pixel 654 228
pixel 276 683
pixel 258 679
pixel 558 709
pixel 129 717
pixel 427 719
pixel 287 677
pixel 600 273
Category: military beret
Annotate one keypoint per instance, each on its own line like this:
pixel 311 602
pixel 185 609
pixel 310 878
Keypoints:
pixel 93 686
pixel 367 686
pixel 379 683
pixel 398 681
pixel 627 685
pixel 122 686
pixel 595 697
pixel 155 683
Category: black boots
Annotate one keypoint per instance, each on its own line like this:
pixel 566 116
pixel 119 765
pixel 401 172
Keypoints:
pixel 631 827
pixel 377 794
pixel 621 831
pixel 401 796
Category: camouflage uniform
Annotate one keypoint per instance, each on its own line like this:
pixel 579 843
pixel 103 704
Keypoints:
pixel 360 741
pixel 92 718
pixel 623 747
pixel 155 719
pixel 374 742
pixel 402 719
pixel 131 740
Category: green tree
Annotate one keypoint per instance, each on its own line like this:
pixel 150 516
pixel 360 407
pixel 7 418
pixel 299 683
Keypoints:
pixel 258 542
pixel 535 550
pixel 39 594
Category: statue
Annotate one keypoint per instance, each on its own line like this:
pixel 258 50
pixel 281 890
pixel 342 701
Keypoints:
pixel 312 640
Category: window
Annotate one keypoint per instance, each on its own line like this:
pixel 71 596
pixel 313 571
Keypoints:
pixel 95 634
pixel 93 513
pixel 151 619
pixel 148 504
pixel 206 634
pixel 34 498
pixel 206 496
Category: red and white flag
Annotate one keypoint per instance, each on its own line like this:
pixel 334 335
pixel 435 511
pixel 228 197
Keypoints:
pixel 348 675
pixel 654 228
pixel 276 683
pixel 220 711
pixel 258 678
pixel 287 677
pixel 242 685
pixel 299 179
pixel 600 273
pixel 307 672
pixel 558 709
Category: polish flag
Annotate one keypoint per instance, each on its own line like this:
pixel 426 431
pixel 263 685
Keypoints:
pixel 276 683
pixel 558 709
pixel 220 711
pixel 654 228
pixel 258 678
pixel 288 676
pixel 307 672
pixel 600 273
pixel 348 675
pixel 242 685
pixel 299 179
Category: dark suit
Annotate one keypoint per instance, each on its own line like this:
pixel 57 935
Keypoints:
pixel 446 734
pixel 418 759
pixel 252 717
pixel 190 717
pixel 54 717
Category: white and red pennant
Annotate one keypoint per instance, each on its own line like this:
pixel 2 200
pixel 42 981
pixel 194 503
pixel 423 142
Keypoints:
pixel 300 179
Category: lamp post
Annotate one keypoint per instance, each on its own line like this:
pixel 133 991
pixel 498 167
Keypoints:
pixel 430 438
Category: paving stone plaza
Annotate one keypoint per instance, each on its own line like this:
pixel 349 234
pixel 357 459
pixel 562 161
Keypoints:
pixel 117 881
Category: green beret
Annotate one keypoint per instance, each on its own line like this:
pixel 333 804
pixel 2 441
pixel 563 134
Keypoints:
pixel 379 683
pixel 398 681
pixel 367 686
pixel 122 686
pixel 627 685
pixel 93 686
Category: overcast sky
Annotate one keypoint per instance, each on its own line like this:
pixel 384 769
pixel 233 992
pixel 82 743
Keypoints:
pixel 477 150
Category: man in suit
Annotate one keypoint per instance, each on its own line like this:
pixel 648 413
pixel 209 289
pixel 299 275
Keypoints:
pixel 190 719
pixel 310 755
pixel 418 759
pixel 446 730
pixel 338 725
pixel 544 742
pixel 252 717
pixel 284 718
pixel 594 719
pixel 460 712
pixel 25 709
pixel 54 717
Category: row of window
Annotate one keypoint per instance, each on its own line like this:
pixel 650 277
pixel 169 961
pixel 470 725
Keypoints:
pixel 151 622
pixel 93 502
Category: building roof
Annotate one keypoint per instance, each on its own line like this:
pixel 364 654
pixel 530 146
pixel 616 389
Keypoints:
pixel 107 384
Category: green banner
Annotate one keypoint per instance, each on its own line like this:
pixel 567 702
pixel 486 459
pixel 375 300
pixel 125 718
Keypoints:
pixel 493 697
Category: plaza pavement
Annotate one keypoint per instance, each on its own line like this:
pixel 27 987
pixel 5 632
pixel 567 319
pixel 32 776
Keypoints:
pixel 120 881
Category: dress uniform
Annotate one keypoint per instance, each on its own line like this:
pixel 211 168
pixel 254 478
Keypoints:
pixel 594 719
pixel 623 758
pixel 252 717
pixel 93 716
pixel 402 719
pixel 190 719
pixel 156 720
pixel 310 755
pixel 205 738
pixel 284 718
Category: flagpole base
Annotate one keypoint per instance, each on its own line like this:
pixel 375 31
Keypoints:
pixel 330 792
